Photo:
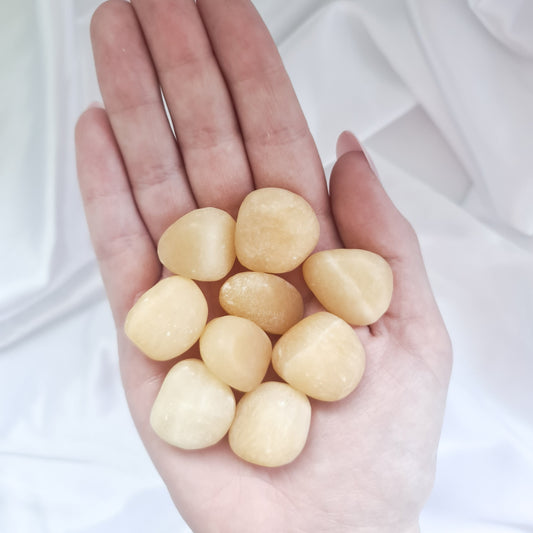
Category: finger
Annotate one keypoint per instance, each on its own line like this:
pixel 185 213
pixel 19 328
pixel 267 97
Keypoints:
pixel 132 98
pixel 366 218
pixel 123 246
pixel 364 227
pixel 347 142
pixel 199 103
pixel 278 142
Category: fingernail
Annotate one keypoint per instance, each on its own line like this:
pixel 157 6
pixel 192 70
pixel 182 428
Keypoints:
pixel 348 142
pixel 95 104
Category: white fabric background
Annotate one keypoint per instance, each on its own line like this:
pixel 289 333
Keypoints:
pixel 441 94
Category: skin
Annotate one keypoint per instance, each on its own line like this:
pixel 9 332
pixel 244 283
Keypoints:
pixel 369 462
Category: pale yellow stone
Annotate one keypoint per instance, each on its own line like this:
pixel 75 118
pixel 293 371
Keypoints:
pixel 271 425
pixel 168 318
pixel 271 302
pixel 200 245
pixel 193 409
pixel 275 231
pixel 236 350
pixel 320 356
pixel 353 284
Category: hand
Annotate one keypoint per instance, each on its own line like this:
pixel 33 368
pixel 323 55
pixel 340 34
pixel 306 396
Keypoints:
pixel 369 461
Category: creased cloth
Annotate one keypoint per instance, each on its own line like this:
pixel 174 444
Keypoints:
pixel 439 92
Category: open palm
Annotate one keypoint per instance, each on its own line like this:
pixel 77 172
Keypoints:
pixel 369 461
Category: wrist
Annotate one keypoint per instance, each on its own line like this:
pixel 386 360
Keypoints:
pixel 411 527
pixel 398 528
pixel 332 526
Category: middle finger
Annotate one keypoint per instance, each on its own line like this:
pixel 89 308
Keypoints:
pixel 199 103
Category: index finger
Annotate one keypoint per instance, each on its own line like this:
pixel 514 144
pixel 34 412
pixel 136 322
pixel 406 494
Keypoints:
pixel 279 145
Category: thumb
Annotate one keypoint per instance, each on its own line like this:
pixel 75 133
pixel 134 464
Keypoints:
pixel 365 215
pixel 366 218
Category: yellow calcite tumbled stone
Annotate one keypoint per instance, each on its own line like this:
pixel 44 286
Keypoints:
pixel 268 300
pixel 271 425
pixel 168 318
pixel 320 356
pixel 193 409
pixel 276 230
pixel 200 245
pixel 236 350
pixel 353 284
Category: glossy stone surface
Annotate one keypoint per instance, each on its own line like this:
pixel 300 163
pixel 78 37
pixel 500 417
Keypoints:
pixel 353 284
pixel 237 351
pixel 271 425
pixel 168 318
pixel 275 231
pixel 193 409
pixel 199 245
pixel 268 300
pixel 320 356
